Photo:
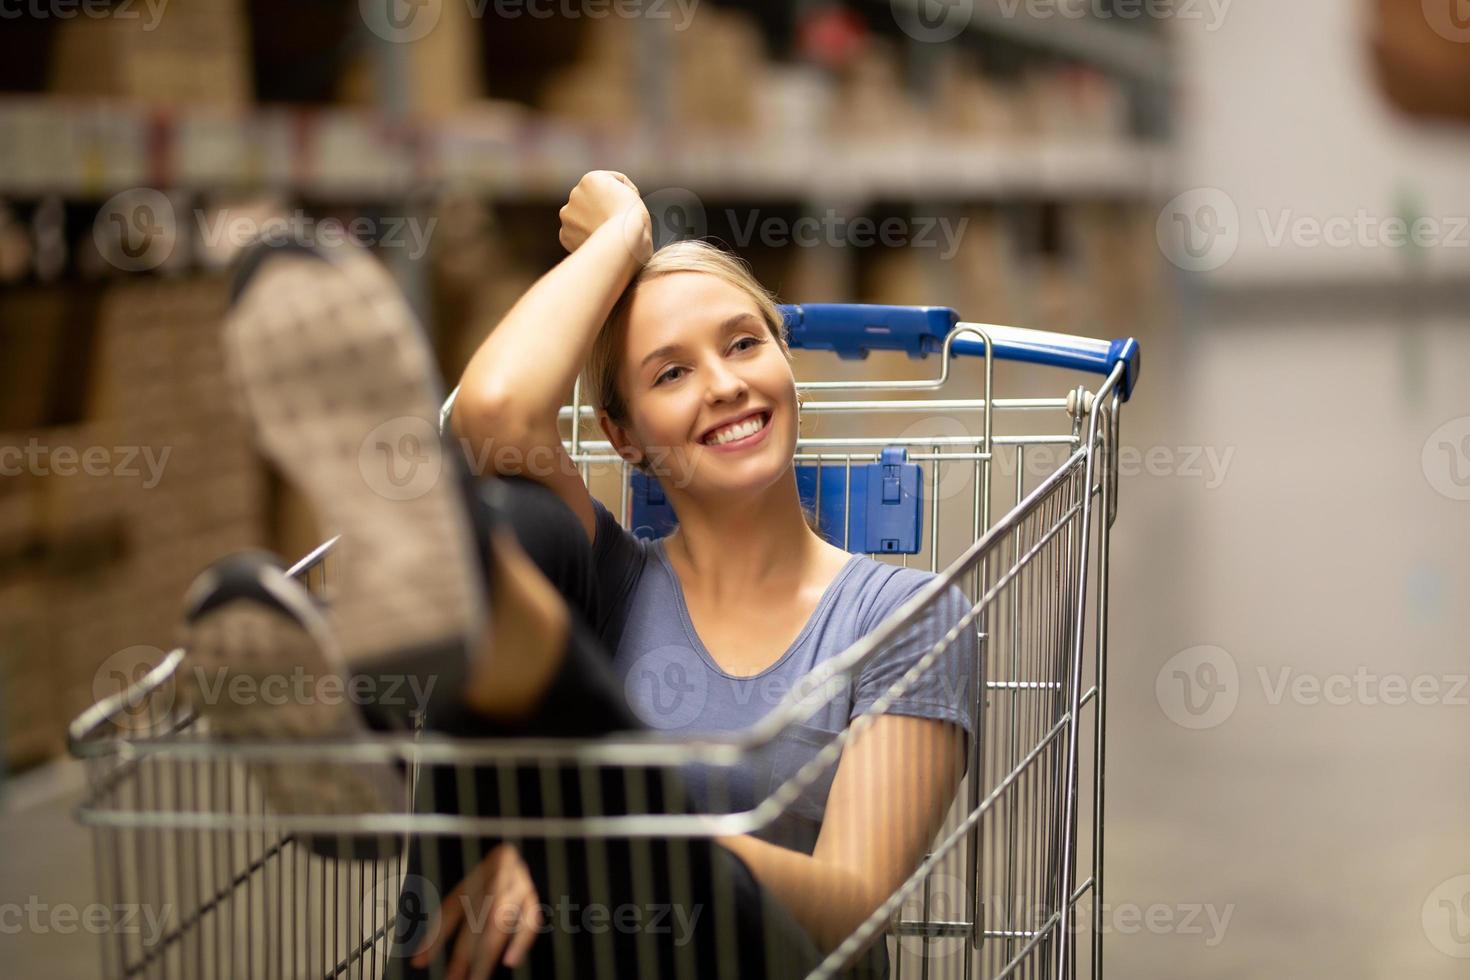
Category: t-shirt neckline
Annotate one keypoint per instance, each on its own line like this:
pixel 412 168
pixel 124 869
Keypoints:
pixel 709 659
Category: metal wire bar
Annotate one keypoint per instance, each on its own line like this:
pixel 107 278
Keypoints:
pixel 181 821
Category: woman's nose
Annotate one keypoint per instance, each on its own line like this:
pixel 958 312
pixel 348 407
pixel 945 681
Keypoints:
pixel 724 384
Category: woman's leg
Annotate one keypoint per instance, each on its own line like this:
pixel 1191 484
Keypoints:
pixel 336 380
pixel 616 907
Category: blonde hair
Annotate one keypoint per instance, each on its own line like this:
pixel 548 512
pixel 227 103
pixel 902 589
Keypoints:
pixel 605 360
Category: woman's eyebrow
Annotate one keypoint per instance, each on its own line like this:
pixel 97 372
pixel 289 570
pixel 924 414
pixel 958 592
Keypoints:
pixel 667 349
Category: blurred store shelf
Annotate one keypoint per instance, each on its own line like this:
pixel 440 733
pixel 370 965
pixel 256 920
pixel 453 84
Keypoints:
pixel 93 150
pixel 1122 45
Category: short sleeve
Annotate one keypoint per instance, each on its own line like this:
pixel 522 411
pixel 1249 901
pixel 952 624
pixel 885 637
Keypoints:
pixel 618 556
pixel 945 690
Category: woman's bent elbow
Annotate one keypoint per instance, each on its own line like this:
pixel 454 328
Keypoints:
pixel 483 421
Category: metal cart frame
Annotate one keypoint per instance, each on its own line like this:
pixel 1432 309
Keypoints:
pixel 179 824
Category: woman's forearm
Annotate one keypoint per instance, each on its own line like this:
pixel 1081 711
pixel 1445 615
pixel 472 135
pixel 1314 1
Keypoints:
pixel 526 367
pixel 827 900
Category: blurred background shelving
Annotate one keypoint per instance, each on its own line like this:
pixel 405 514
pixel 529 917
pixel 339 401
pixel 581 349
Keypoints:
pixel 1033 153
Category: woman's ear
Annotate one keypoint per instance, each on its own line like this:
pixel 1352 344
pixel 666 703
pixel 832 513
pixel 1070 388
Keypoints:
pixel 619 437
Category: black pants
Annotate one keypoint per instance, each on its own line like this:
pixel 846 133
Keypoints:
pixel 619 907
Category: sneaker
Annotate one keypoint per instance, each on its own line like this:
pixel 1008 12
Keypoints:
pixel 329 367
pixel 261 663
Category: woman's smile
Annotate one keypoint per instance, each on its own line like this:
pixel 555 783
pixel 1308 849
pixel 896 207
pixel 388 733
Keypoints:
pixel 740 436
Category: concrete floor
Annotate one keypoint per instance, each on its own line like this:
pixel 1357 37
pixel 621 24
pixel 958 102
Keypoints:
pixel 1307 831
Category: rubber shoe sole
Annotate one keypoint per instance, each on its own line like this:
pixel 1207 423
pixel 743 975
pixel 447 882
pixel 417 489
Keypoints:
pixel 261 663
pixel 328 365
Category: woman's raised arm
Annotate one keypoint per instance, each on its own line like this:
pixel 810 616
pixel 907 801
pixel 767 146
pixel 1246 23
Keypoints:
pixel 523 373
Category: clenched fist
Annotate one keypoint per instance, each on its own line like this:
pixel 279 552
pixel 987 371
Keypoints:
pixel 602 196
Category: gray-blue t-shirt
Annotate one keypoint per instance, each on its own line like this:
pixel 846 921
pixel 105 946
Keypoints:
pixel 673 683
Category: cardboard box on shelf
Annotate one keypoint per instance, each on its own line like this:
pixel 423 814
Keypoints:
pixel 714 61
pixel 984 269
pixel 582 95
pixel 794 103
pixel 181 54
pixel 31 722
pixel 128 504
pixel 818 275
pixel 20 508
pixel 968 103
pixel 33 334
pixel 442 70
pixel 874 101
pixel 599 89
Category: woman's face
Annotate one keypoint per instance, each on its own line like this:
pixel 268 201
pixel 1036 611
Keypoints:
pixel 696 357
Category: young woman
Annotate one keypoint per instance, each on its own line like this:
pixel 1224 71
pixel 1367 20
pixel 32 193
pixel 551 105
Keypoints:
pixel 692 380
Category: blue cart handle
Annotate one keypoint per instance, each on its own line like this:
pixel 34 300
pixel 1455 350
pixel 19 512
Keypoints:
pixel 851 330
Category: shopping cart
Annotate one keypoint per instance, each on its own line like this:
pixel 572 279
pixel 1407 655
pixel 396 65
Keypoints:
pixel 1012 884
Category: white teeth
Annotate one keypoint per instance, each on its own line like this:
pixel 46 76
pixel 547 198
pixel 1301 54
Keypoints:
pixel 738 431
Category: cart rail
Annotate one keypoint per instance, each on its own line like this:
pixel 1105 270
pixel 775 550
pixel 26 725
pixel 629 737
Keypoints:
pixel 180 822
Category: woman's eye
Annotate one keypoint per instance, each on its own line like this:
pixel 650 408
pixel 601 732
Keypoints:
pixel 666 375
pixel 753 342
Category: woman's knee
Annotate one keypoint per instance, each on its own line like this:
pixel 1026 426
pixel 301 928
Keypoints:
pixel 550 535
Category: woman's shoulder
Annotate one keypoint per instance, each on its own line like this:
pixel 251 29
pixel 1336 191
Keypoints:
pixel 884 587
